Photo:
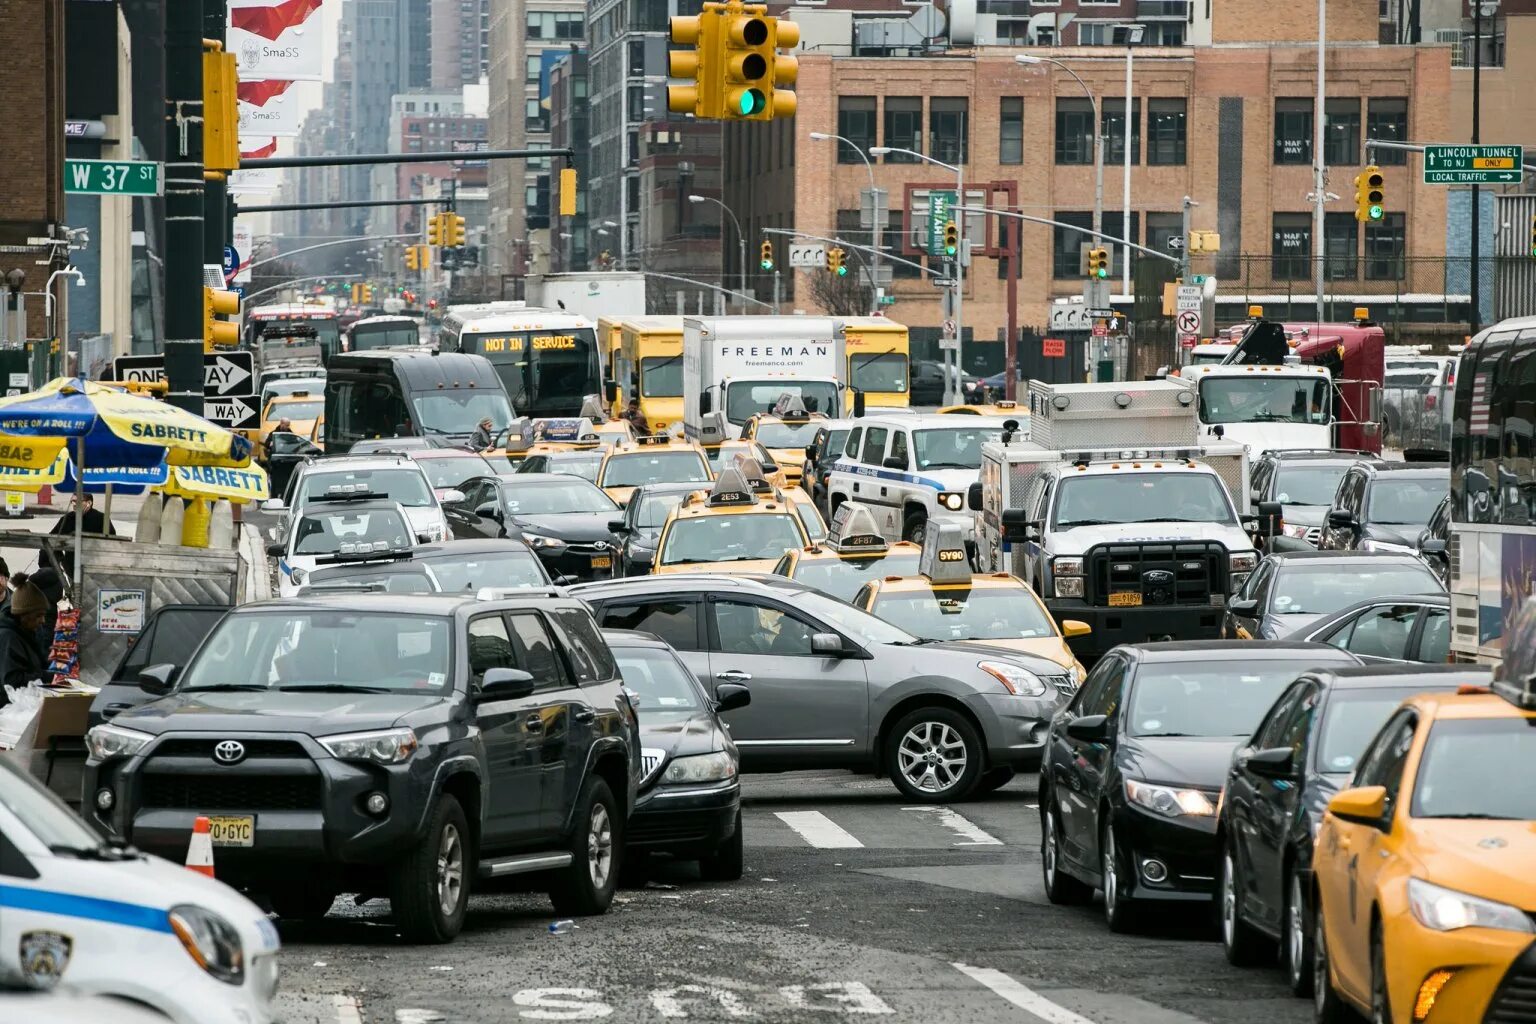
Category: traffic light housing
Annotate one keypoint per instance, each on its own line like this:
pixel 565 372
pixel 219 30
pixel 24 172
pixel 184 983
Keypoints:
pixel 765 256
pixel 836 264
pixel 747 52
pixel 731 66
pixel 220 333
pixel 785 35
pixel 687 64
pixel 1370 195
pixel 951 239
pixel 435 230
pixel 1098 262
pixel 567 191
pixel 453 235
pixel 424 257
pixel 411 261
pixel 221 117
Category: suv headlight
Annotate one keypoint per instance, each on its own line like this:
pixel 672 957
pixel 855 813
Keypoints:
pixel 1446 910
pixel 209 940
pixel 1018 681
pixel 1168 800
pixel 952 500
pixel 108 741
pixel 1244 561
pixel 1066 567
pixel 1069 586
pixel 540 542
pixel 714 767
pixel 381 746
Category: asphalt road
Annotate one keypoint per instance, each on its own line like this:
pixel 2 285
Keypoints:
pixel 855 905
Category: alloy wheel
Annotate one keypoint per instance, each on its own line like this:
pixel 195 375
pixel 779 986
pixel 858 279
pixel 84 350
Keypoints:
pixel 1111 874
pixel 932 756
pixel 1048 849
pixel 450 871
pixel 1295 932
pixel 1228 902
pixel 600 846
pixel 1320 991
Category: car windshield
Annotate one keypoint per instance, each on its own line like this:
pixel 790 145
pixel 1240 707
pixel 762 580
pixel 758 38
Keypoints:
pixel 300 648
pixel 860 625
pixel 731 538
pixel 986 613
pixel 42 813
pixel 582 464
pixel 1406 501
pixel 330 531
pixel 1142 498
pixel 842 577
pixel 548 497
pixel 1352 719
pixel 289 386
pixel 952 447
pixel 1321 586
pixel 1264 399
pixel 661 376
pixel 458 411
pixel 879 372
pixel 406 485
pixel 1308 485
pixel 304 410
pixel 455 572
pixel 655 507
pixel 815 529
pixel 777 434
pixel 631 469
pixel 744 398
pixel 450 472
pixel 1468 766
pixel 1208 697
pixel 836 441
pixel 659 678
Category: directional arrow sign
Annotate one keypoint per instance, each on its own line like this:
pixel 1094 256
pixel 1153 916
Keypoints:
pixel 236 413
pixel 225 374
pixel 1473 165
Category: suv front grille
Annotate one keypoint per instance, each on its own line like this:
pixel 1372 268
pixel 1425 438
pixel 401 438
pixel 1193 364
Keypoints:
pixel 186 747
pixel 230 791
pixel 1162 573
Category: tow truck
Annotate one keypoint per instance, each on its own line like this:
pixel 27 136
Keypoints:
pixel 945 600
pixel 853 552
pixel 729 529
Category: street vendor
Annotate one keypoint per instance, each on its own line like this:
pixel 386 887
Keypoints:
pixel 21 656
pixel 91 521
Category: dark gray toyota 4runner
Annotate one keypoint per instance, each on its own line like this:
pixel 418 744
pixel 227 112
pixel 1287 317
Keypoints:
pixel 415 747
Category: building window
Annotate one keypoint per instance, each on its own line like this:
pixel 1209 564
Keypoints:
pixel 1067 245
pixel 1341 246
pixel 1161 227
pixel 903 127
pixel 856 123
pixel 1291 246
pixel 1166 117
pixel 1010 131
pixel 1074 131
pixel 637 56
pixel 1385 246
pixel 636 94
pixel 1341 132
pixel 1293 131
pixel 535 117
pixel 948 129
pixel 1114 131
pixel 1388 121
pixel 531 69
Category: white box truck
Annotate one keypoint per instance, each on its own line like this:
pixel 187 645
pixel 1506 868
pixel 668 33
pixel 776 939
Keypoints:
pixel 736 366
pixel 589 294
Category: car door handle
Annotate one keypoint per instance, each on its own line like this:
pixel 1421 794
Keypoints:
pixel 534 723
pixel 583 714
pixel 733 675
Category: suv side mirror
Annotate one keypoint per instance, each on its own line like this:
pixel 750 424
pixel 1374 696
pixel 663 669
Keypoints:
pixel 1090 728
pixel 489 510
pixel 1432 547
pixel 1340 518
pixel 276 550
pixel 1273 763
pixel 1363 805
pixel 828 644
pixel 274 505
pixel 894 462
pixel 157 679
pixel 730 696
pixel 617 526
pixel 973 497
pixel 505 684
pixel 453 496
pixel 1245 606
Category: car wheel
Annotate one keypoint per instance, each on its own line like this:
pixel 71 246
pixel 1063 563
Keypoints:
pixel 302 902
pixel 1327 1007
pixel 1298 937
pixel 1381 1004
pixel 1119 909
pixel 429 887
pixel 1243 945
pixel 934 755
pixel 725 864
pixel 1060 887
pixel 586 886
pixel 912 526
pixel 994 779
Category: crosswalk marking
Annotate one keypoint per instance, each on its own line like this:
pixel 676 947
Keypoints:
pixel 1021 995
pixel 819 830
pixel 973 834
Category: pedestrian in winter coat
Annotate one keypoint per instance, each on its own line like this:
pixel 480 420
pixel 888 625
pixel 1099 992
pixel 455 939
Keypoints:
pixel 21 657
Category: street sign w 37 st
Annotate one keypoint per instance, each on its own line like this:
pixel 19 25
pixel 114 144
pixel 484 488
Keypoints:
pixel 114 177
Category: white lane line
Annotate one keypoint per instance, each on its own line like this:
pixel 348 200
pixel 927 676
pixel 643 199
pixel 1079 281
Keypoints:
pixel 968 830
pixel 819 830
pixel 1020 995
pixel 348 1010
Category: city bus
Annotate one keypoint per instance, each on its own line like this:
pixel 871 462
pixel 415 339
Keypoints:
pixel 547 360
pixel 372 332
pixel 279 320
pixel 650 366
pixel 879 360
pixel 1492 541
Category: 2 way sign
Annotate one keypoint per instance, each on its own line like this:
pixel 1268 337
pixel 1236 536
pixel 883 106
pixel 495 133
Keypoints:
pixel 229 382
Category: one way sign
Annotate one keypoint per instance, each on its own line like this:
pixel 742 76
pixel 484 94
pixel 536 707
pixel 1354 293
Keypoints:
pixel 229 382
pixel 236 413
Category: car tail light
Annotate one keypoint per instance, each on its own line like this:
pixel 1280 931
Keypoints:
pixel 1429 401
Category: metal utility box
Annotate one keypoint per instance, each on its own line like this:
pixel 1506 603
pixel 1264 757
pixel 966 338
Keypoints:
pixel 1131 414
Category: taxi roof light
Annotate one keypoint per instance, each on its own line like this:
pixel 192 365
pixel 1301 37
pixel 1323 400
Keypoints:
pixel 944 558
pixel 853 529
pixel 731 488
pixel 790 407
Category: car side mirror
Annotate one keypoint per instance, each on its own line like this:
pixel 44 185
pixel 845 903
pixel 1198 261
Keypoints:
pixel 1363 805
pixel 973 497
pixel 505 684
pixel 423 538
pixel 1090 728
pixel 276 550
pixel 892 462
pixel 1341 518
pixel 453 496
pixel 829 644
pixel 1432 547
pixel 566 581
pixel 274 505
pixel 1074 627
pixel 730 696
pixel 810 452
pixel 1273 763
pixel 157 679
pixel 617 526
pixel 1016 523
pixel 1245 606
pixel 489 510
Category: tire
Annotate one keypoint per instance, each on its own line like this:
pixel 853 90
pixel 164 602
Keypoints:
pixel 1244 945
pixel 1296 949
pixel 1060 888
pixel 1381 1002
pixel 912 525
pixel 725 864
pixel 302 902
pixel 934 755
pixel 429 886
pixel 1327 1007
pixel 586 886
pixel 1119 910
pixel 993 780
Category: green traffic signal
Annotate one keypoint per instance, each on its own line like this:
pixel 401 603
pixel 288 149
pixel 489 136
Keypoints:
pixel 1102 272
pixel 842 270
pixel 1376 213
pixel 766 264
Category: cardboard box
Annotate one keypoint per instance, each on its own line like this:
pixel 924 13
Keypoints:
pixel 52 745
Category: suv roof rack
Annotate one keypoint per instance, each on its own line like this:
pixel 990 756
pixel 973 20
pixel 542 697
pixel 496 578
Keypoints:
pixel 371 555
pixel 507 593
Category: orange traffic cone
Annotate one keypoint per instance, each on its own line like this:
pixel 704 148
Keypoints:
pixel 200 849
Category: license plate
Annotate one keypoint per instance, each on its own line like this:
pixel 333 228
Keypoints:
pixel 602 561
pixel 1124 599
pixel 232 829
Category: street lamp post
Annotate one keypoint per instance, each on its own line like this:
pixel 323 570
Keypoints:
pixel 741 240
pixel 1098 135
pixel 954 390
pixel 874 199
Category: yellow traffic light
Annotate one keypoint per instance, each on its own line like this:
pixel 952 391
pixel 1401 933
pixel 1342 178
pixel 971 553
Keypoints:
pixel 748 53
pixel 765 256
pixel 1098 262
pixel 785 35
pixel 1370 195
pixel 453 235
pixel 836 262
pixel 424 257
pixel 435 230
pixel 684 99
pixel 411 262
pixel 221 118
pixel 567 191
pixel 220 333
pixel 951 239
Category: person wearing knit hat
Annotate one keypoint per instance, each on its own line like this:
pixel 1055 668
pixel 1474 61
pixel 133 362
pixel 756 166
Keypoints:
pixel 21 657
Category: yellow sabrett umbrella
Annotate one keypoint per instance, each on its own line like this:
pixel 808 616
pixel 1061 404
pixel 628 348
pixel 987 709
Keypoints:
pixel 249 484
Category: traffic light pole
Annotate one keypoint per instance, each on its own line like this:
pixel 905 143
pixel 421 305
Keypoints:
pixel 184 199
pixel 216 212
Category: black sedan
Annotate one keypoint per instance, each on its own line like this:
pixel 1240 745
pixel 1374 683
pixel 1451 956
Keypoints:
pixel 1291 591
pixel 1277 787
pixel 688 803
pixel 1134 765
pixel 563 518
pixel 1388 629
pixel 636 534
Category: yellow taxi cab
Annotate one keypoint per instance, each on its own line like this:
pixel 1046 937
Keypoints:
pixel 545 435
pixel 659 459
pixel 999 408
pixel 785 433
pixel 944 600
pixel 1425 870
pixel 853 553
pixel 810 515
pixel 728 529
pixel 615 433
pixel 301 409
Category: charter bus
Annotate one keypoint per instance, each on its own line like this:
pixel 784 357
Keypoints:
pixel 372 332
pixel 281 318
pixel 879 359
pixel 650 366
pixel 399 393
pixel 1492 541
pixel 547 360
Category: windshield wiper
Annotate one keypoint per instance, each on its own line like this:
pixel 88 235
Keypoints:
pixel 1171 519
pixel 332 688
pixel 920 641
pixel 226 688
pixel 948 465
pixel 1476 817
pixel 1073 524
pixel 1164 735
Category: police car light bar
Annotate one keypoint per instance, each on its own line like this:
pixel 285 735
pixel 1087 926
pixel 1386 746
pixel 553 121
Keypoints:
pixel 1101 455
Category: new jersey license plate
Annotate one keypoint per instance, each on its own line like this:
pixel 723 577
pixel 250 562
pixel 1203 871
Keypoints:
pixel 602 561
pixel 1124 599
pixel 232 829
